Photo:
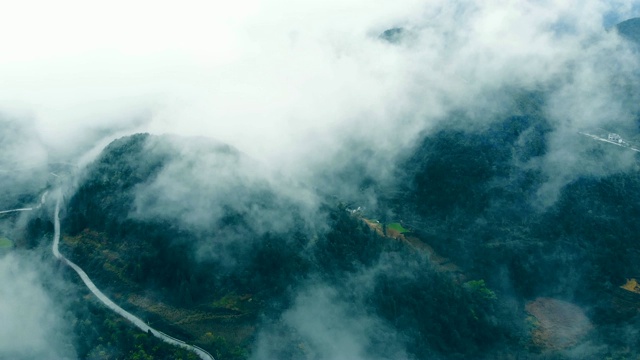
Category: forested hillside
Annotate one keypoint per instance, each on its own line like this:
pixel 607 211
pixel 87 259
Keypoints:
pixel 142 257
pixel 467 196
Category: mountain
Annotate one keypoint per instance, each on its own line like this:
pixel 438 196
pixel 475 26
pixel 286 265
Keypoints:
pixel 464 239
pixel 227 275
pixel 199 255
pixel 630 29
pixel 393 35
pixel 475 193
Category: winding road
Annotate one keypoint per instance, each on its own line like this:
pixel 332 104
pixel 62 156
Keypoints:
pixel 203 354
pixel 15 210
pixel 599 138
pixel 43 199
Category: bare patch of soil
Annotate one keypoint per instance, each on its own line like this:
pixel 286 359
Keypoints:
pixel 558 324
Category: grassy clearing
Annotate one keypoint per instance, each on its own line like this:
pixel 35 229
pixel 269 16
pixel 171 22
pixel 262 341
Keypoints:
pixel 632 285
pixel 234 302
pixel 5 243
pixel 480 289
pixel 397 227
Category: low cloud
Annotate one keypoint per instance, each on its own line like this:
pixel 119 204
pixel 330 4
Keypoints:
pixel 306 88
pixel 34 324
pixel 222 196
pixel 326 325
pixel 294 83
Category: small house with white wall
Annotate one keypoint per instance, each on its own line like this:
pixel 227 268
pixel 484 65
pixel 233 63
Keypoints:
pixel 615 138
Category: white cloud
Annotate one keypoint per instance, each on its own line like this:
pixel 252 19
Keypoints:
pixel 294 83
pixel 32 322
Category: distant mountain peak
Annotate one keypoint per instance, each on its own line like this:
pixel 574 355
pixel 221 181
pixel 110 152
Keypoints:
pixel 393 35
pixel 630 29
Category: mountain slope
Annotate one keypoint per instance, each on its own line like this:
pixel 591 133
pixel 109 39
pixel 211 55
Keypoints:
pixel 226 302
pixel 630 29
pixel 157 262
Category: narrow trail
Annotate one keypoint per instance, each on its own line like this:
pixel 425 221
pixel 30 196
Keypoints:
pixel 203 354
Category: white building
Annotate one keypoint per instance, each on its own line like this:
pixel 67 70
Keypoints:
pixel 615 138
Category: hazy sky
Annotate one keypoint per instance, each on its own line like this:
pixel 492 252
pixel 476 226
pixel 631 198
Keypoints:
pixel 240 73
pixel 278 77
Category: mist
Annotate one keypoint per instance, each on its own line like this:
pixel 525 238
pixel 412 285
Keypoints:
pixel 328 325
pixel 308 96
pixel 302 86
pixel 34 324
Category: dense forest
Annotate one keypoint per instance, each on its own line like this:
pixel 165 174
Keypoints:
pixel 466 195
pixel 140 255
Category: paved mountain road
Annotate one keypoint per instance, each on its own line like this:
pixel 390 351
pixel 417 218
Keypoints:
pixel 43 199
